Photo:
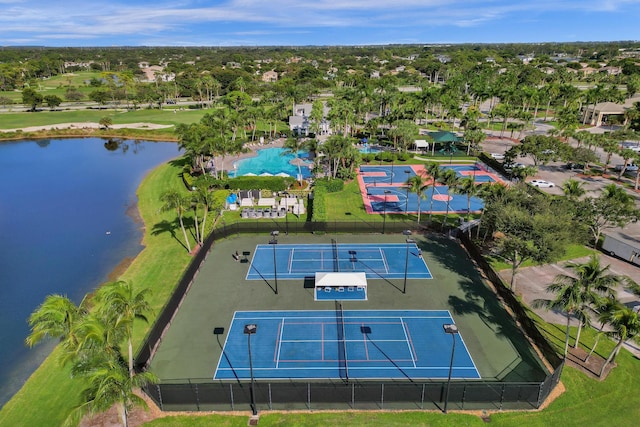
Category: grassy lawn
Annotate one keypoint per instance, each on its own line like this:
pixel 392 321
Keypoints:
pixel 43 118
pixel 58 85
pixel 572 252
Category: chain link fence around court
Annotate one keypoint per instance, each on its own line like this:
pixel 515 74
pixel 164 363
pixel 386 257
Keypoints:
pixel 192 395
pixel 206 394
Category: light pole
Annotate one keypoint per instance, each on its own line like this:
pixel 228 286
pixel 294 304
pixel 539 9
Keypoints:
pixel 384 211
pixel 250 329
pixel 451 329
pixel 406 201
pixel 274 242
pixel 406 259
pixel 286 212
pixel 391 172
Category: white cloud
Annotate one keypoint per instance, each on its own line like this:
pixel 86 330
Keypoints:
pixel 145 19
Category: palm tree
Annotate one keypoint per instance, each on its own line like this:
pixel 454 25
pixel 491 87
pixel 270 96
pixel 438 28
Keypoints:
pixel 573 189
pixel 469 188
pixel 203 197
pixel 626 155
pixel 626 325
pixel 433 169
pixel 294 146
pixel 604 307
pixel 122 304
pixel 595 281
pixel 567 300
pixel 489 193
pixel 55 318
pixel 450 179
pixel 578 293
pixel 416 184
pixel 109 383
pixel 174 200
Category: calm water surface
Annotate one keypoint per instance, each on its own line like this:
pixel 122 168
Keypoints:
pixel 67 218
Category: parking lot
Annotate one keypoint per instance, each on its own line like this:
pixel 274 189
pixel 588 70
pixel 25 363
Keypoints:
pixel 557 173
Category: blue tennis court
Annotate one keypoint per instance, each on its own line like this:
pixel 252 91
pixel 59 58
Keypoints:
pixel 479 173
pixel 398 200
pixel 388 175
pixel 301 261
pixel 350 344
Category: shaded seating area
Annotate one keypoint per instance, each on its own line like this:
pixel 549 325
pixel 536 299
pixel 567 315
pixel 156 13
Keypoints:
pixel 267 201
pixel 253 205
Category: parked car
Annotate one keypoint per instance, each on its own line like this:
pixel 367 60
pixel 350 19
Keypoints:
pixel 510 166
pixel 497 156
pixel 630 145
pixel 542 184
pixel 631 167
pixel 574 166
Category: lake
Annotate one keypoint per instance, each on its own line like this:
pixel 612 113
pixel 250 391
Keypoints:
pixel 68 217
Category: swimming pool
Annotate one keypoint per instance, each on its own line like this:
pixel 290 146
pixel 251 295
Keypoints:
pixel 271 161
pixel 369 149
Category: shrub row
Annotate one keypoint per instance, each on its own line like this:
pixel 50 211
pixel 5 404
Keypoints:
pixel 387 156
pixel 331 185
pixel 319 204
pixel 270 183
pixel 187 178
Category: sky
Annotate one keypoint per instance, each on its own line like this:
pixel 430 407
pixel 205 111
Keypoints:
pixel 312 22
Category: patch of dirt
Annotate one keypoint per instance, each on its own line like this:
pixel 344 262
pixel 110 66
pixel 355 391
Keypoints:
pixel 577 358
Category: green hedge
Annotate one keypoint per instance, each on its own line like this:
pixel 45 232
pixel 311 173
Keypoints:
pixel 319 204
pixel 331 185
pixel 271 183
pixel 187 178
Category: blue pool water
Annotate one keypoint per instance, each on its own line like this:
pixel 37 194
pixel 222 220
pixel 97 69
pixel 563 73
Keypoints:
pixel 67 218
pixel 271 160
pixel 368 149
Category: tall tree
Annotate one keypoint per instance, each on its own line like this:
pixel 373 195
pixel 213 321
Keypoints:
pixel 625 324
pixel 568 299
pixel 293 145
pixel 109 383
pixel 449 179
pixel 528 226
pixel 55 318
pixel 613 208
pixel 417 184
pixel 573 189
pixel 122 304
pixel 434 171
pixel 470 188
pixel 592 281
pixel 175 201
pixel 31 98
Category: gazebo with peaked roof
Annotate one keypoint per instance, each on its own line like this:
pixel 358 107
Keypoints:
pixel 443 137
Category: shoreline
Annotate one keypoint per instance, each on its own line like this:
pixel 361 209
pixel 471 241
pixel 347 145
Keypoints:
pixel 90 129
pixel 116 271
pixel 87 125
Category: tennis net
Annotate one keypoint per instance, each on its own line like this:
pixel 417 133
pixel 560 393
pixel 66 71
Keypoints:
pixel 336 262
pixel 342 344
